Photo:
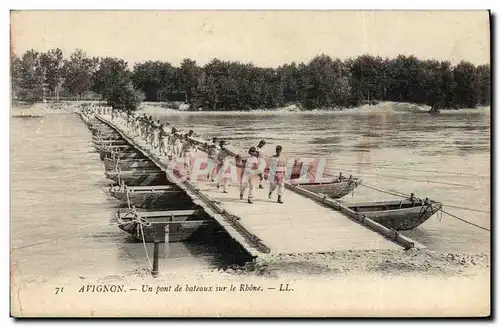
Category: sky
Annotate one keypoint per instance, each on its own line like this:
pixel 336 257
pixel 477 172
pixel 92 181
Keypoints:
pixel 266 38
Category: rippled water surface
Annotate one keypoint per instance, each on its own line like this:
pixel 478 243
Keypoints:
pixel 60 213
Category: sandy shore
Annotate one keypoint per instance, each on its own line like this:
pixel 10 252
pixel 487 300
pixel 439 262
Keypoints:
pixel 387 262
pixel 368 283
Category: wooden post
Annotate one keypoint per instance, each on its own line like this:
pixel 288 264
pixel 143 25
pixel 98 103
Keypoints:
pixel 167 234
pixel 156 246
pixel 167 240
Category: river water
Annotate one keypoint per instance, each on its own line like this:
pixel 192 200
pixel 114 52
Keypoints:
pixel 60 214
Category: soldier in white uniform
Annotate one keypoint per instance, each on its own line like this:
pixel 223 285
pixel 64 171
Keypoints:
pixel 156 135
pixel 277 167
pixel 187 152
pixel 177 146
pixel 163 140
pixel 223 171
pixel 213 153
pixel 261 156
pixel 251 174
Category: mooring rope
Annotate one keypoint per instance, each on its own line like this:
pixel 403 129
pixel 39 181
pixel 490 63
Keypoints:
pixel 145 248
pixel 35 244
pixel 128 200
pixel 140 221
pixel 385 191
pixel 440 215
pixel 419 180
pixel 71 237
pixel 405 169
pixel 464 208
pixel 465 221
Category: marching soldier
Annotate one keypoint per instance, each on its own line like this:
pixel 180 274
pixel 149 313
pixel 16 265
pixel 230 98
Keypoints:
pixel 163 140
pixel 261 156
pixel 156 135
pixel 222 171
pixel 177 146
pixel 213 153
pixel 277 169
pixel 187 152
pixel 251 174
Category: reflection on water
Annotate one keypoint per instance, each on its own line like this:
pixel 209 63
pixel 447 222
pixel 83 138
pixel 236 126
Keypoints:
pixel 61 213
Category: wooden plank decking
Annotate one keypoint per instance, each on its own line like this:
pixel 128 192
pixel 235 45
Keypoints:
pixel 300 225
pixel 297 226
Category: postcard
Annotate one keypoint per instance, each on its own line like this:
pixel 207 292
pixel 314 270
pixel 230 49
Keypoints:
pixel 250 163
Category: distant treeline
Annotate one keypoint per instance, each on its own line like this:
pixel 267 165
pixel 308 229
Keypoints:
pixel 225 85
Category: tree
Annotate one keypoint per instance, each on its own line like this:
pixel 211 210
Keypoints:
pixel 113 81
pixel 288 74
pixel 78 73
pixel 111 74
pixel 214 72
pixel 484 85
pixel 52 63
pixel 465 85
pixel 368 78
pixel 188 78
pixel 148 78
pixel 155 79
pixel 328 82
pixel 16 75
pixel 305 88
pixel 31 77
pixel 324 82
pixel 125 98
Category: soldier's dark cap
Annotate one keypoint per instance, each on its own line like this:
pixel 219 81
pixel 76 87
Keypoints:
pixel 278 147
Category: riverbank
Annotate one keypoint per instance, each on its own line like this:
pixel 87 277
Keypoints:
pixel 19 109
pixel 387 262
pixel 383 107
pixel 380 108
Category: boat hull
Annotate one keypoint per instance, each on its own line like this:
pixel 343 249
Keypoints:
pixel 181 227
pixel 138 178
pixel 115 148
pixel 111 137
pixel 178 233
pixel 333 189
pixel 111 164
pixel 399 215
pixel 109 143
pixel 101 130
pixel 120 155
pixel 168 199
